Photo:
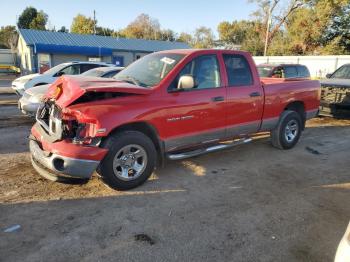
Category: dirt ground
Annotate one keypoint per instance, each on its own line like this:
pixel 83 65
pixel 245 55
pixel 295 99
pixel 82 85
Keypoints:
pixel 250 203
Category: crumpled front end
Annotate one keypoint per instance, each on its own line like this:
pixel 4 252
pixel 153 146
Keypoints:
pixel 62 147
pixel 65 140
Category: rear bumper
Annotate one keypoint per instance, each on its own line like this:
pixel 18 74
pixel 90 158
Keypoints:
pixel 54 166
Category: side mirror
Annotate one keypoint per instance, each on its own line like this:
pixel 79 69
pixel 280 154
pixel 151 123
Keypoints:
pixel 186 82
pixel 61 73
pixel 328 75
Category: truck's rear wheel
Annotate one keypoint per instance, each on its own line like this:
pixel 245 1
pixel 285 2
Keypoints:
pixel 288 130
pixel 130 160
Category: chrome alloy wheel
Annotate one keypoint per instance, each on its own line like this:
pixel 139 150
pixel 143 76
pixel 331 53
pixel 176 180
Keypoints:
pixel 130 162
pixel 291 130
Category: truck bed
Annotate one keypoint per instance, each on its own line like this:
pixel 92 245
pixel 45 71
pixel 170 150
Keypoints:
pixel 279 91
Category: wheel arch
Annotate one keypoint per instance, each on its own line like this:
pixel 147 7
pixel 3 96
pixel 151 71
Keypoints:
pixel 147 129
pixel 299 107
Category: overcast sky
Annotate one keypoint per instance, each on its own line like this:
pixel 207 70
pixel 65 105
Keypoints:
pixel 179 15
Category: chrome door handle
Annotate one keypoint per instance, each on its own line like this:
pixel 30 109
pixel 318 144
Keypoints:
pixel 255 94
pixel 217 99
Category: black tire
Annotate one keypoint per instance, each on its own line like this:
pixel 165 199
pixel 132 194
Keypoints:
pixel 278 135
pixel 117 142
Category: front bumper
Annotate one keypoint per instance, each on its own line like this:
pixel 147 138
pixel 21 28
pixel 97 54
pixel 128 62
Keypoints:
pixel 53 166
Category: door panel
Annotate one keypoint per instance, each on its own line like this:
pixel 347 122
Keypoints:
pixel 196 115
pixel 245 97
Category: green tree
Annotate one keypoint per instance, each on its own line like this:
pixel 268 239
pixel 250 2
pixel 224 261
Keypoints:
pixel 144 27
pixel 246 34
pixel 337 35
pixel 104 31
pixel 203 38
pixel 39 22
pixel 63 29
pixel 30 18
pixel 274 15
pixel 309 30
pixel 8 37
pixel 82 25
pixel 186 38
pixel 167 35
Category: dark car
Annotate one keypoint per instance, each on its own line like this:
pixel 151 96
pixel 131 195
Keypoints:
pixel 335 92
pixel 340 78
pixel 283 71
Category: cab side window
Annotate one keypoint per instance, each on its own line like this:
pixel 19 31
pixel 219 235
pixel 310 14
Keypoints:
pixel 291 72
pixel 278 72
pixel 238 70
pixel 205 71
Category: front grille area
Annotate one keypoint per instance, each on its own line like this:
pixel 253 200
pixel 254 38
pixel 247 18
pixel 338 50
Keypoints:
pixel 335 95
pixel 335 101
pixel 49 117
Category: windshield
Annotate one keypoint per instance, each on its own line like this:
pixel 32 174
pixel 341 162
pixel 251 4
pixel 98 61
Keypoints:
pixel 55 69
pixel 342 73
pixel 264 71
pixel 149 70
pixel 94 72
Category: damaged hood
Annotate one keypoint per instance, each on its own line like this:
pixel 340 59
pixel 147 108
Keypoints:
pixel 67 89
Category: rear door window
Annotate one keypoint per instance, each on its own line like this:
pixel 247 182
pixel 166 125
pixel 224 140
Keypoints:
pixel 238 70
pixel 290 72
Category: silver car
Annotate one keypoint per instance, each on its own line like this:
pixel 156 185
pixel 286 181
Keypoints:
pixel 19 85
pixel 32 97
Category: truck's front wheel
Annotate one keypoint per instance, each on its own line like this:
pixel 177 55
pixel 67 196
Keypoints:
pixel 130 160
pixel 287 133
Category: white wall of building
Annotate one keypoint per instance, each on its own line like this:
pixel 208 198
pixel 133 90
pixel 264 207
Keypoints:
pixel 319 66
pixel 25 56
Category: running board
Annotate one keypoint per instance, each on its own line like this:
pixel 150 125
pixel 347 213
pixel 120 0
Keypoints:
pixel 210 149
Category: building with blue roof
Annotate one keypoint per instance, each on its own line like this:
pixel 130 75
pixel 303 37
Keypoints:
pixel 39 50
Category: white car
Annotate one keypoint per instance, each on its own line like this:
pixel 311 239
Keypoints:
pixel 72 68
pixel 32 97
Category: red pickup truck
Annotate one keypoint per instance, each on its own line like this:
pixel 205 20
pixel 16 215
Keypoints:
pixel 168 105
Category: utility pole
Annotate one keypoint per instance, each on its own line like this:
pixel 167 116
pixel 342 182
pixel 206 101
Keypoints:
pixel 94 22
pixel 267 30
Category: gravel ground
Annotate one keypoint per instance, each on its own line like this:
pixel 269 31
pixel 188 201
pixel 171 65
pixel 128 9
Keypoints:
pixel 250 203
